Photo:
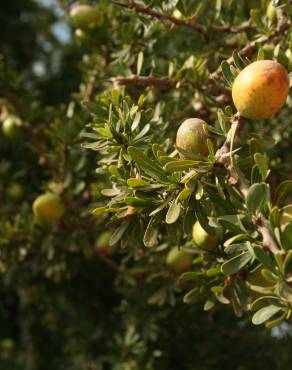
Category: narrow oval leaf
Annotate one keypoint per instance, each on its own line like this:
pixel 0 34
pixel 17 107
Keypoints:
pixel 181 165
pixel 258 197
pixel 265 313
pixel 193 296
pixel 173 213
pixel 118 233
pixel 236 263
pixel 150 236
pixel 140 62
pixel 262 162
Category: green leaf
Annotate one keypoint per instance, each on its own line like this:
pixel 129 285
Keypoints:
pixel 262 162
pixel 181 165
pixel 140 62
pixel 110 192
pixel 193 296
pixel 183 195
pixel 135 183
pixel 138 202
pixel 264 258
pixel 227 74
pixel 261 54
pixel 99 211
pixel 265 313
pixel 236 263
pixel 265 301
pixel 258 197
pixel 118 233
pixel 256 176
pixel 147 165
pixel 151 233
pixel 102 210
pixel 173 213
pixel 272 323
pixel 136 121
pixel 192 276
pixel 238 61
pixel 284 190
pixel 255 15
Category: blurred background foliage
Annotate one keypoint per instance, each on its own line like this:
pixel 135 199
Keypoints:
pixel 62 303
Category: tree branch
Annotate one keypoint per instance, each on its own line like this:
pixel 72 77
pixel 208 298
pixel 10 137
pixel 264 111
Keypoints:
pixel 224 156
pixel 248 50
pixel 180 22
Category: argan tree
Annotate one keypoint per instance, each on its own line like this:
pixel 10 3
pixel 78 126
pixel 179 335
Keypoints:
pixel 146 190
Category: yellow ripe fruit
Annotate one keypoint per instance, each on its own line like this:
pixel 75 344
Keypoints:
pixel 260 89
pixel 192 137
pixel 84 16
pixel 179 260
pixel 48 207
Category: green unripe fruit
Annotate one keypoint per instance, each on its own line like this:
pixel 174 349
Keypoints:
pixel 14 191
pixel 12 127
pixel 192 137
pixel 48 207
pixel 271 13
pixel 179 260
pixel 203 240
pixel 84 16
pixel 102 243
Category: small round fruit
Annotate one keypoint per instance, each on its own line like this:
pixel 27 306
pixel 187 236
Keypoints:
pixel 15 191
pixel 203 240
pixel 179 260
pixel 192 137
pixel 84 16
pixel 102 244
pixel 260 89
pixel 48 207
pixel 12 127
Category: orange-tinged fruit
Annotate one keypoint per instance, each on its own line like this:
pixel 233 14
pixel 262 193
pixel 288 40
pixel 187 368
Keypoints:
pixel 192 137
pixel 48 207
pixel 260 89
pixel 179 260
pixel 84 16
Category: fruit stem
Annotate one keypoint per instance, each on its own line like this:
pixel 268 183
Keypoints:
pixel 225 157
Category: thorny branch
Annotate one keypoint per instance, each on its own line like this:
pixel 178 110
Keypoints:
pixel 193 25
pixel 251 47
pixel 224 156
